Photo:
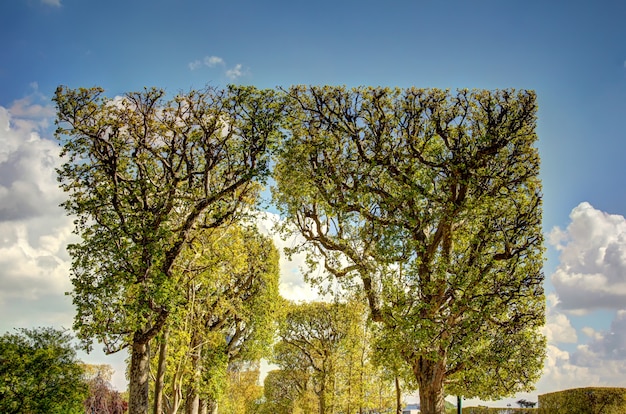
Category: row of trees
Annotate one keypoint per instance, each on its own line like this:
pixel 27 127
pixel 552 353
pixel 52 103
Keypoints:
pixel 426 203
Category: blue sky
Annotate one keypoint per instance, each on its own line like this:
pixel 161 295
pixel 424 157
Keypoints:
pixel 572 53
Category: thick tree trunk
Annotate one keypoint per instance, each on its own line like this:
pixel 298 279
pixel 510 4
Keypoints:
pixel 158 383
pixel 192 404
pixel 138 399
pixel 430 376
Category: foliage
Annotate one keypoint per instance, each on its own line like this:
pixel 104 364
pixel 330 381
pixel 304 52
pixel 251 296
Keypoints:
pixel 431 203
pixel 40 373
pixel 229 280
pixel 590 400
pixel 102 397
pixel 243 391
pixel 142 173
pixel 525 403
pixel 325 350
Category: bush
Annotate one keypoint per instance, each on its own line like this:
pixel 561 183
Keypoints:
pixel 590 400
pixel 498 410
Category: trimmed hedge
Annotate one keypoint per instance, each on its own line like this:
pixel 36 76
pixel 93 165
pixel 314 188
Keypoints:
pixel 498 410
pixel 590 400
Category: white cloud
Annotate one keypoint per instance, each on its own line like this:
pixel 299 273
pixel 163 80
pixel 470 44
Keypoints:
pixel 214 61
pixel 55 3
pixel 208 61
pixel 235 72
pixel 609 345
pixel 34 265
pixel 292 285
pixel 558 328
pixel 592 270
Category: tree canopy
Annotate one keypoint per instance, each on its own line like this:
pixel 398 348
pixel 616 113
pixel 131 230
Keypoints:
pixel 40 373
pixel 432 201
pixel 142 173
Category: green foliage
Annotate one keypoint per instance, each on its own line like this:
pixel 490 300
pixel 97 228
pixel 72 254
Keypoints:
pixel 590 400
pixel 40 373
pixel 325 357
pixel 228 279
pixel 142 174
pixel 431 203
pixel 243 391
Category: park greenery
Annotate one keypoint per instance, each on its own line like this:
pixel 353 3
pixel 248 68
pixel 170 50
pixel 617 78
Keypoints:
pixel 419 211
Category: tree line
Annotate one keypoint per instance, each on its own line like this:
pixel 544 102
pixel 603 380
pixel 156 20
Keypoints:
pixel 424 203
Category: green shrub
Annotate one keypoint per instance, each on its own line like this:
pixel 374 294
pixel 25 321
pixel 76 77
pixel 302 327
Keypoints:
pixel 498 410
pixel 590 400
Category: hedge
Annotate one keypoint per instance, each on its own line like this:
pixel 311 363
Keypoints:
pixel 590 400
pixel 499 410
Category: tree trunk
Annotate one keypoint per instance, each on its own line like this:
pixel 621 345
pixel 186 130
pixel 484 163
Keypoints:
pixel 192 404
pixel 430 376
pixel 208 406
pixel 398 395
pixel 138 399
pixel 158 383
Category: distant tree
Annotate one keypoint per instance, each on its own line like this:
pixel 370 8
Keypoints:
pixel 40 373
pixel 142 173
pixel 283 390
pixel 243 392
pixel 102 397
pixel 430 203
pixel 525 403
pixel 309 342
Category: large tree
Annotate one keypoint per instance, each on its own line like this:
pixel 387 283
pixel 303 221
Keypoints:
pixel 142 173
pixel 432 201
pixel 40 373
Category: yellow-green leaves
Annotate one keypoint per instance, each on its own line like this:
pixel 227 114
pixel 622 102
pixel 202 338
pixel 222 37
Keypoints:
pixel 432 199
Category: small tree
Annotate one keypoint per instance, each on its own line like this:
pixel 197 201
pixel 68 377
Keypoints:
pixel 525 403
pixel 40 373
pixel 102 397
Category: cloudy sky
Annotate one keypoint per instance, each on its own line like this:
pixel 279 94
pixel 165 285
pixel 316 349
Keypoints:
pixel 573 53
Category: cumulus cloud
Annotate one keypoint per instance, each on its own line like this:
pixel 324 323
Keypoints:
pixel 592 269
pixel 208 61
pixel 558 328
pixel 215 61
pixel 34 265
pixel 234 72
pixel 607 345
pixel 292 285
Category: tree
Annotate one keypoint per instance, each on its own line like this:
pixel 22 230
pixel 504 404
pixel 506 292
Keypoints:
pixel 40 373
pixel 142 174
pixel 102 397
pixel 525 403
pixel 284 389
pixel 243 392
pixel 326 348
pixel 229 281
pixel 309 342
pixel 432 202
